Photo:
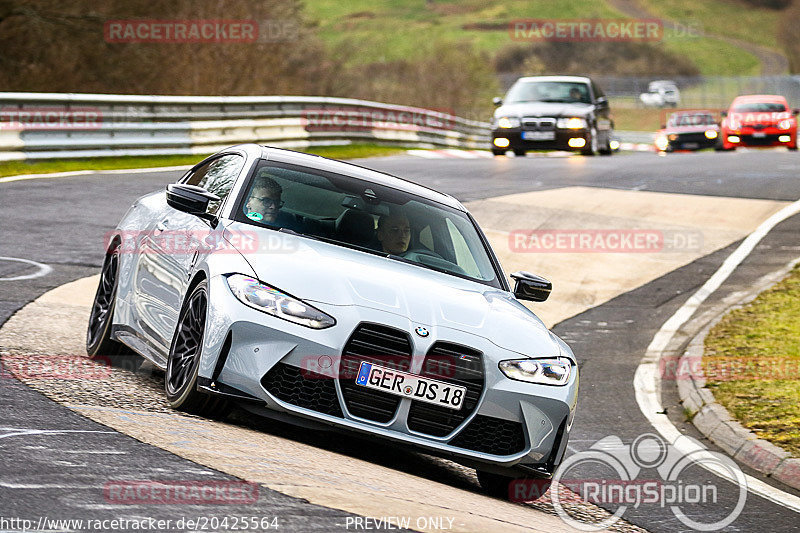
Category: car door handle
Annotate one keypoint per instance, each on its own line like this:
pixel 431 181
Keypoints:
pixel 161 226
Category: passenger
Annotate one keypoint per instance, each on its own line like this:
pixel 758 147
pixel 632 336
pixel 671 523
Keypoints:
pixel 394 233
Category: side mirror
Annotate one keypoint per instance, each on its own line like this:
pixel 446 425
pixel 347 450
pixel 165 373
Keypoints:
pixel 602 101
pixel 795 111
pixel 723 114
pixel 497 101
pixel 531 287
pixel 189 198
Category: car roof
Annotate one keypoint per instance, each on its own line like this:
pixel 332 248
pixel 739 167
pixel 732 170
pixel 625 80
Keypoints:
pixel 282 155
pixel 760 98
pixel 582 79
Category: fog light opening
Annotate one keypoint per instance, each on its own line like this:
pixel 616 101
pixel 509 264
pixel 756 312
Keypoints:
pixel 733 139
pixel 576 142
pixel 785 138
pixel 501 142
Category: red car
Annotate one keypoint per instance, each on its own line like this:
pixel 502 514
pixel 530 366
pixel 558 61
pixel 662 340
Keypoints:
pixel 758 120
pixel 688 130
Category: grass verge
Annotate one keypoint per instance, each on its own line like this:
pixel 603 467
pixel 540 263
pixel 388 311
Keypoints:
pixel 752 364
pixel 15 168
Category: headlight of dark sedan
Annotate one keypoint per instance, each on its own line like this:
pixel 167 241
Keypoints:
pixel 572 123
pixel 270 300
pixel 508 122
pixel 549 371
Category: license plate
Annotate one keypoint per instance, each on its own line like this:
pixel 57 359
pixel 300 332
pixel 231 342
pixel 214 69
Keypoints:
pixel 410 386
pixel 690 146
pixel 538 135
pixel 759 134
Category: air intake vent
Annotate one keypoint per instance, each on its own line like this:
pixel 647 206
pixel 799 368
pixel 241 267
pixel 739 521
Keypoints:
pixel 454 364
pixel 382 346
pixel 302 388
pixel 491 435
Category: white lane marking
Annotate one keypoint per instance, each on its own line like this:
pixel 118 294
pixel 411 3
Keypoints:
pixel 43 269
pixel 15 432
pixel 70 174
pixel 646 382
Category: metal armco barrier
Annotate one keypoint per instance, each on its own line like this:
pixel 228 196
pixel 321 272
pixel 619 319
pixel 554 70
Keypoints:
pixel 55 125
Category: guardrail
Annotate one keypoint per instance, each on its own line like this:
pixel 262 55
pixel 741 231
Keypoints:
pixel 56 125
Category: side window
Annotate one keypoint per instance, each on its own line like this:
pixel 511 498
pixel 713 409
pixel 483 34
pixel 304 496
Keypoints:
pixel 218 176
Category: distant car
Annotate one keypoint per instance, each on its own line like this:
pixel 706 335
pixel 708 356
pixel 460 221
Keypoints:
pixel 688 130
pixel 661 93
pixel 758 120
pixel 553 113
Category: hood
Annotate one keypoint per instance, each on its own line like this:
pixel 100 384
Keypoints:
pixel 320 272
pixel 543 109
pixel 767 119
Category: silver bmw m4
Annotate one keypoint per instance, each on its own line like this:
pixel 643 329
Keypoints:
pixel 337 297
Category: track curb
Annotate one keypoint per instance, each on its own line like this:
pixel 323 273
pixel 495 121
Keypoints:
pixel 712 419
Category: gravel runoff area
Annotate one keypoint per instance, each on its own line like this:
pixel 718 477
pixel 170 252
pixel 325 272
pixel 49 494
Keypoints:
pixel 141 391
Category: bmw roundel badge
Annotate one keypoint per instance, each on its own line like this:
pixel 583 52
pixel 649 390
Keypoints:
pixel 422 332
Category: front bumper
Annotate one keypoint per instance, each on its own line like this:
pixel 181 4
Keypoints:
pixel 764 137
pixel 560 142
pixel 286 368
pixel 690 141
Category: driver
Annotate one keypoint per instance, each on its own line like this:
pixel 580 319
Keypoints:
pixel 575 94
pixel 264 204
pixel 394 233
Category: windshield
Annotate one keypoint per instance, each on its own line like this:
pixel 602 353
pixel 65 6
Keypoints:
pixel 694 119
pixel 549 91
pixel 366 216
pixel 760 107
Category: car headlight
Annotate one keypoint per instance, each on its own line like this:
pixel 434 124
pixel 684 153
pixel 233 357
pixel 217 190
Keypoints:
pixel 662 143
pixel 270 300
pixel 710 134
pixel 551 371
pixel 572 123
pixel 785 124
pixel 508 122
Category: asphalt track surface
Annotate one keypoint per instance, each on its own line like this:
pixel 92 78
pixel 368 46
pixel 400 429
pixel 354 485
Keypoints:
pixel 61 222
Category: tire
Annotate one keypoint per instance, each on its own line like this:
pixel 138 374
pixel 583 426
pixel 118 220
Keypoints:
pixel 499 486
pixel 498 152
pixel 99 344
pixel 607 149
pixel 180 378
pixel 519 153
pixel 591 149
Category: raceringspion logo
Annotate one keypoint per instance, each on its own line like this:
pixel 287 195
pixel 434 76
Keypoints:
pixel 651 473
